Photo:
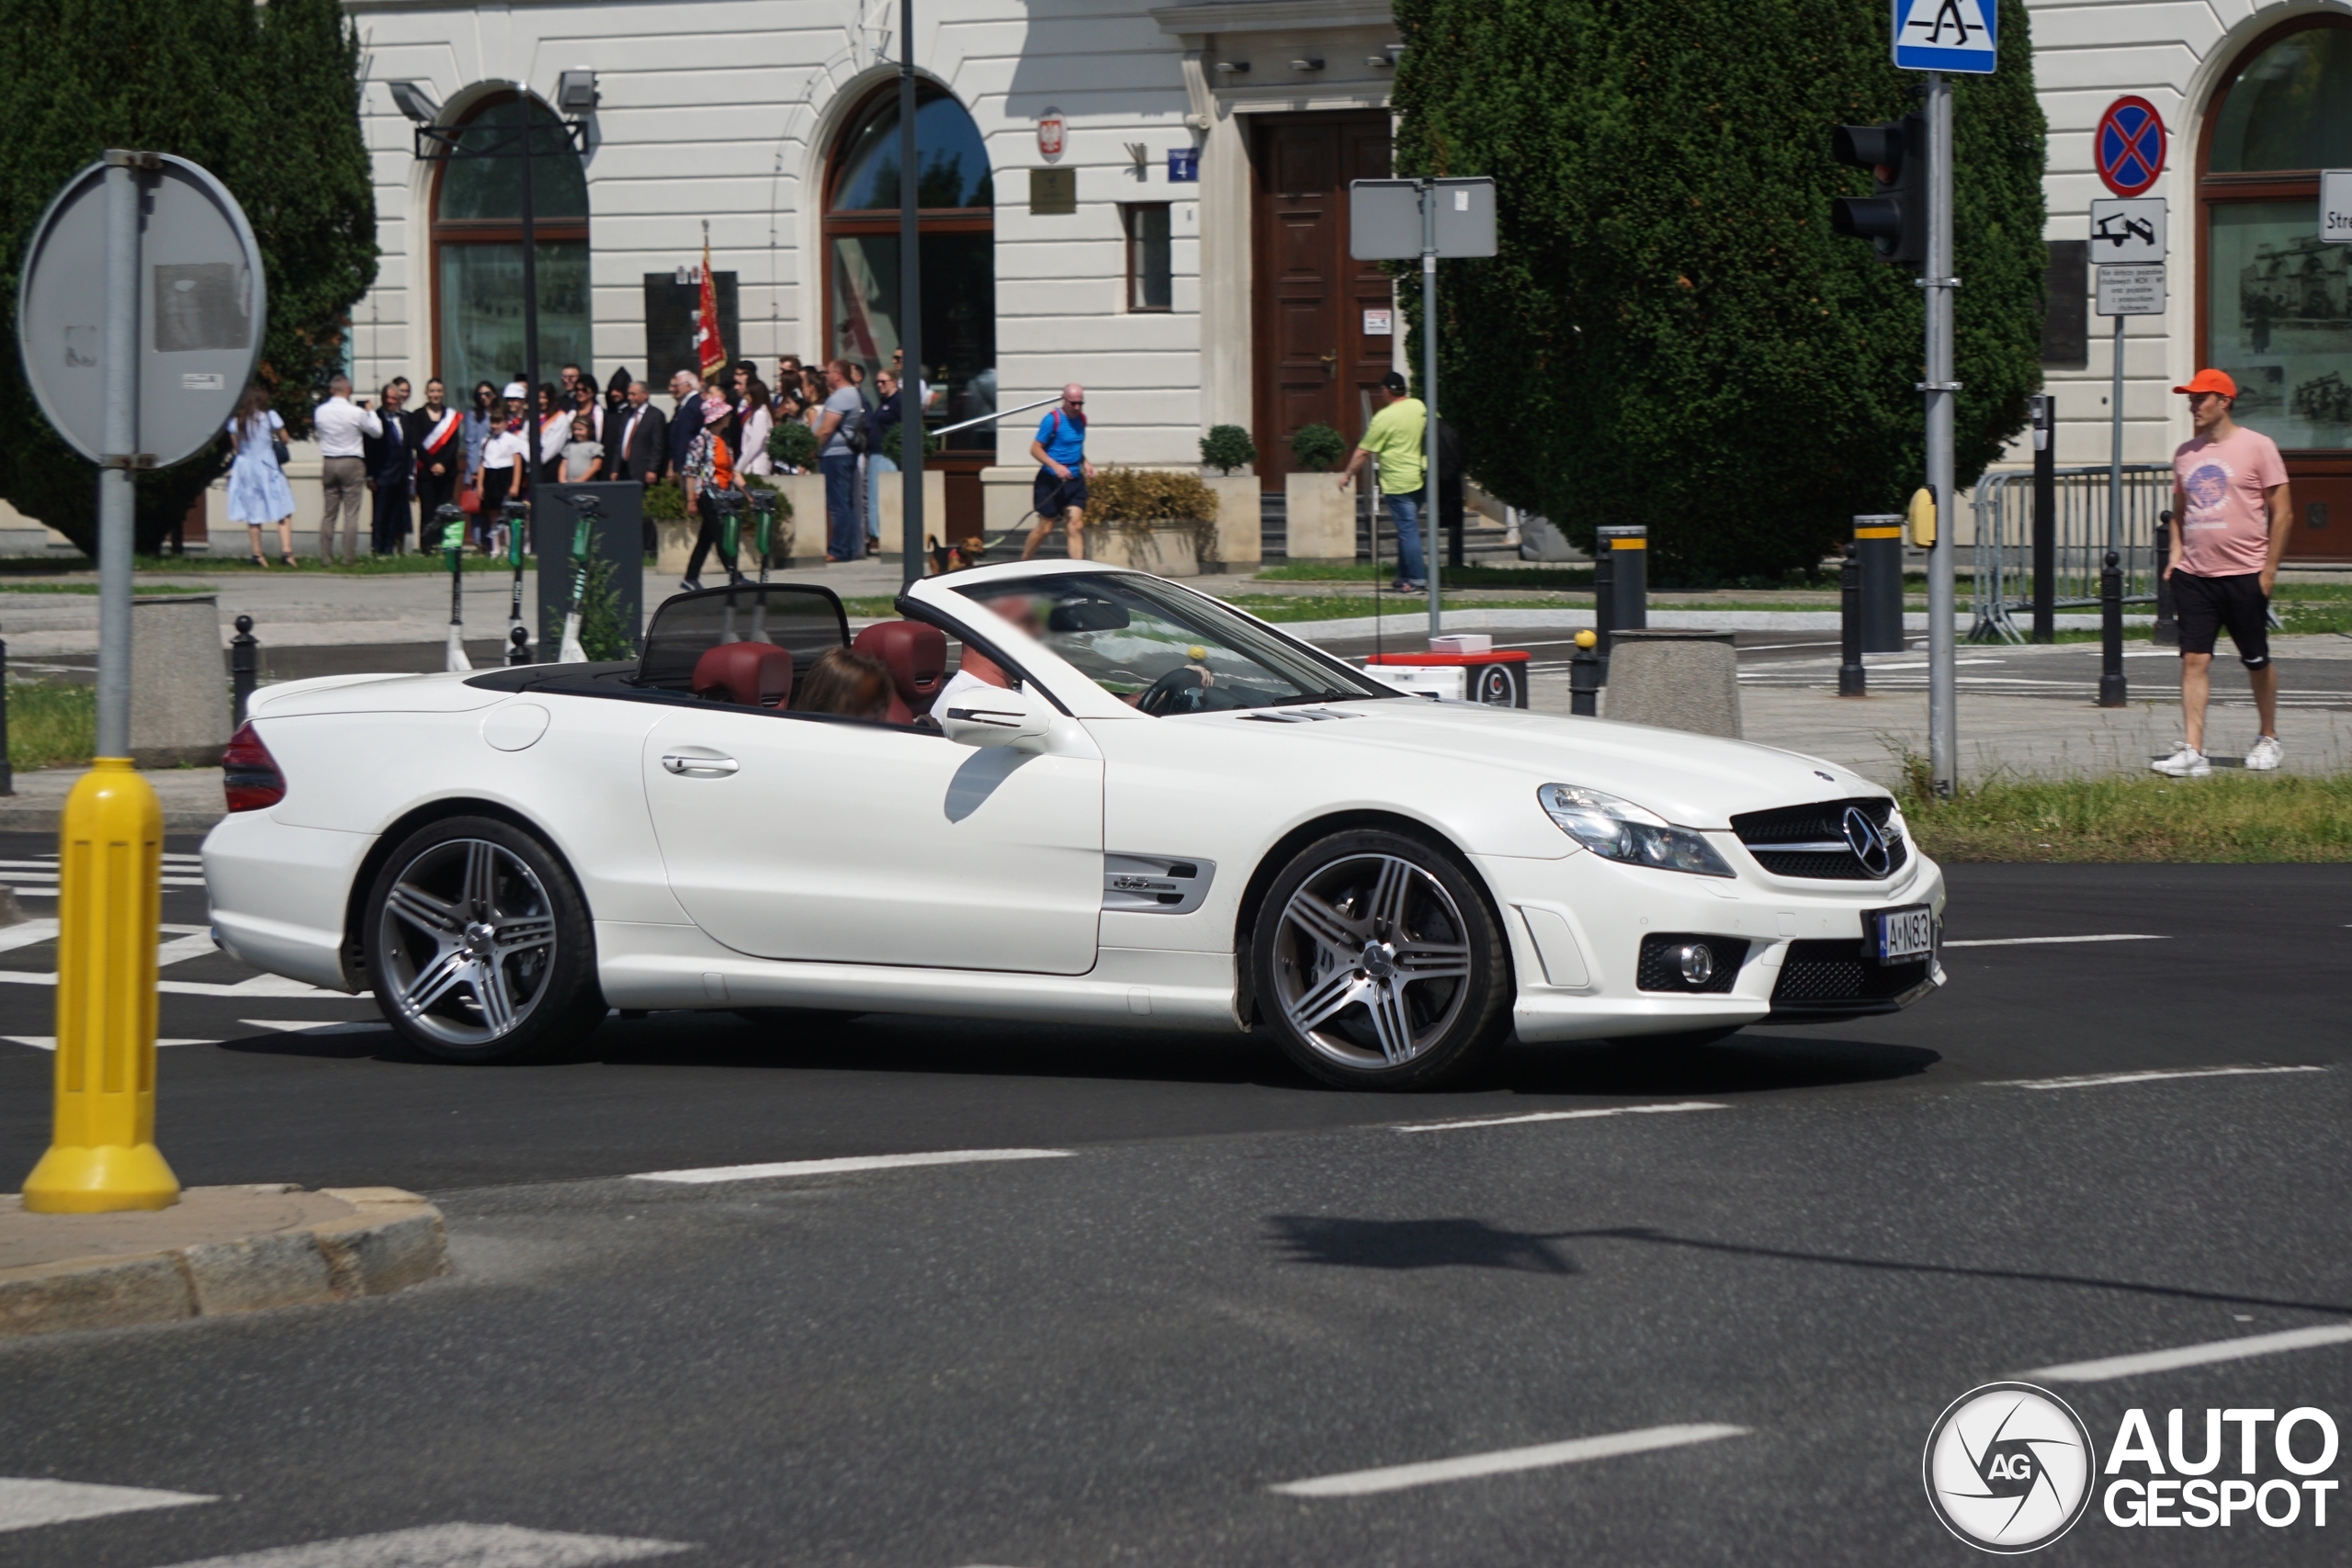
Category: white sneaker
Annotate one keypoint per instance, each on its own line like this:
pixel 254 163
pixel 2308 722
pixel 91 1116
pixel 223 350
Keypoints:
pixel 2187 762
pixel 2266 756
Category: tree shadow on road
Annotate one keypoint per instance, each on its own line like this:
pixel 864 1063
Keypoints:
pixel 1412 1244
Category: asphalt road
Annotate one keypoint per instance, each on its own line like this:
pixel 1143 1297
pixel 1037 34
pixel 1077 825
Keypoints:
pixel 1225 1280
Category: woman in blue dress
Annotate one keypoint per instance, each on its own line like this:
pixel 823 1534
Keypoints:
pixel 258 493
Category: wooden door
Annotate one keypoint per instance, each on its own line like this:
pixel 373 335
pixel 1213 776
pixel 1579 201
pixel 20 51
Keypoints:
pixel 1315 362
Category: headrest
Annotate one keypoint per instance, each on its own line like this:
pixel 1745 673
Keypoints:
pixel 749 674
pixel 916 655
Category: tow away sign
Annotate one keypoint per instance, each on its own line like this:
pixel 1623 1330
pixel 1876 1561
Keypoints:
pixel 1946 35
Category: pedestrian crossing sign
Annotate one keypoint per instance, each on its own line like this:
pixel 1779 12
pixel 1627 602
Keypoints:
pixel 1946 35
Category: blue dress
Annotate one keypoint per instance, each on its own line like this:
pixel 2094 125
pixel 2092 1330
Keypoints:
pixel 257 489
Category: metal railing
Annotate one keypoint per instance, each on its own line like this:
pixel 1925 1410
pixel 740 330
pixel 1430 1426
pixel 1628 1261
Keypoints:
pixel 2004 502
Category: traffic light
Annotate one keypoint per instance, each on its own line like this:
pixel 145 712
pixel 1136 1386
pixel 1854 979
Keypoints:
pixel 1894 218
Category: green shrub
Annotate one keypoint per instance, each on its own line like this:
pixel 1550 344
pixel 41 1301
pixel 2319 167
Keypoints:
pixel 1316 446
pixel 1227 448
pixel 665 501
pixel 894 448
pixel 793 443
pixel 602 633
pixel 1142 498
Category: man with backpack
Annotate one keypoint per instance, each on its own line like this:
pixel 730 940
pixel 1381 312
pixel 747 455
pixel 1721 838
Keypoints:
pixel 1062 473
pixel 841 438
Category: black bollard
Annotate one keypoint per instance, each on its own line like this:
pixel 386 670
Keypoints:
pixel 242 671
pixel 521 653
pixel 2110 634
pixel 1852 680
pixel 7 769
pixel 1584 678
pixel 1604 601
pixel 2166 633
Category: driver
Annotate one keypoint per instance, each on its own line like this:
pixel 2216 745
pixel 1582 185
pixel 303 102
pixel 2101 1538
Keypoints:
pixel 975 670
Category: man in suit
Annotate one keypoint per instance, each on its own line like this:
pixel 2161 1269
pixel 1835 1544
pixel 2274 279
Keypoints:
pixel 392 470
pixel 639 449
pixel 437 435
pixel 685 390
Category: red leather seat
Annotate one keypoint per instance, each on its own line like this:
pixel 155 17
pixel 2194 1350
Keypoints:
pixel 916 656
pixel 749 674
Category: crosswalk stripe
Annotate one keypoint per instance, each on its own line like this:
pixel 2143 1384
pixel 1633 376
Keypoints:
pixel 453 1546
pixel 25 1503
pixel 839 1167
pixel 318 1026
pixel 49 1042
pixel 1465 1467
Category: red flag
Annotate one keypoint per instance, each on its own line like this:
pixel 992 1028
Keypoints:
pixel 713 352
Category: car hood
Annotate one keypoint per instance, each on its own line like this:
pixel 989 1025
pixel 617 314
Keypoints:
pixel 1697 781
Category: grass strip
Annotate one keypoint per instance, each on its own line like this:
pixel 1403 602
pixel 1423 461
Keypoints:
pixel 2230 817
pixel 51 725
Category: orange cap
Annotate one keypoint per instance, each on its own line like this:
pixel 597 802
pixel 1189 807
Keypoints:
pixel 2210 381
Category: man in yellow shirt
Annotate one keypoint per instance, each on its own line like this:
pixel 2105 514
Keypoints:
pixel 1394 440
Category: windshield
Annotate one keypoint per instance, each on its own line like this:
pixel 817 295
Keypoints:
pixel 1165 651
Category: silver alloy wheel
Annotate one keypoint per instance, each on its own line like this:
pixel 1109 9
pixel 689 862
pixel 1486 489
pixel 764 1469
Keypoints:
pixel 468 937
pixel 1371 961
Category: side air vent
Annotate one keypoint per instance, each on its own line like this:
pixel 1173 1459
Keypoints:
pixel 1155 885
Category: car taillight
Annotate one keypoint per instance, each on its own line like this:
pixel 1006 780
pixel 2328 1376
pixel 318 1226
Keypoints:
pixel 249 774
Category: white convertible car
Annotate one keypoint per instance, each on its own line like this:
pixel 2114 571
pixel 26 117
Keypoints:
pixel 1130 804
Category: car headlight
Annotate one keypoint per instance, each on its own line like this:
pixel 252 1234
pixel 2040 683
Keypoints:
pixel 1618 830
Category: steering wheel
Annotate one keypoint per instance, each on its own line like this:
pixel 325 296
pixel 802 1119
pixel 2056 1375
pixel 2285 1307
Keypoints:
pixel 1179 690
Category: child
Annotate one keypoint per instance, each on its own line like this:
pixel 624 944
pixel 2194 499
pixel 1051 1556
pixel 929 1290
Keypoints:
pixel 583 455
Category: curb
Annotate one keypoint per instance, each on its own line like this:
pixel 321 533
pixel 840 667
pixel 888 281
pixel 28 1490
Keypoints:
pixel 391 1239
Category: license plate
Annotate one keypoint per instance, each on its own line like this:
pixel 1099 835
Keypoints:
pixel 1898 936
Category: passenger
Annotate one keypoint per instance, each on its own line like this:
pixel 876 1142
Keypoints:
pixel 843 681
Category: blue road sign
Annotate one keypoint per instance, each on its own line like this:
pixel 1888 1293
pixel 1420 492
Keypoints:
pixel 1946 35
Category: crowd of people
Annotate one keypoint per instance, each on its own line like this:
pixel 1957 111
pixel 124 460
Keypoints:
pixel 403 464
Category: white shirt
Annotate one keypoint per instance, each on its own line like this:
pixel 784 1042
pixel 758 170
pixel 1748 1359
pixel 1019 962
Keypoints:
pixel 340 424
pixel 501 450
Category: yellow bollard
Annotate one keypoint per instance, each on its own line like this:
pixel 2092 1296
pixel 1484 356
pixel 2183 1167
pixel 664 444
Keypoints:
pixel 102 1156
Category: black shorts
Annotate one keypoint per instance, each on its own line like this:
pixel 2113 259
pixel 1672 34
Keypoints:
pixel 2206 605
pixel 1053 495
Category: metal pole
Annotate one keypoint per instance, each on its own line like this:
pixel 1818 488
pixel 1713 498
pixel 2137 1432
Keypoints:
pixel 530 292
pixel 117 500
pixel 2045 516
pixel 1852 681
pixel 1943 719
pixel 911 434
pixel 8 769
pixel 1429 400
pixel 2111 690
pixel 244 672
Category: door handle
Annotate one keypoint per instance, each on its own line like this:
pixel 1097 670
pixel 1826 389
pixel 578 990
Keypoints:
pixel 1330 368
pixel 679 764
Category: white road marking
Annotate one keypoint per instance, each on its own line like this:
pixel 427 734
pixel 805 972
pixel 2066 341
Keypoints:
pixel 857 1162
pixel 453 1546
pixel 2097 1081
pixel 1502 1461
pixel 49 1042
pixel 180 947
pixel 26 935
pixel 1559 1116
pixel 317 1026
pixel 2048 940
pixel 2196 1355
pixel 258 985
pixel 25 1503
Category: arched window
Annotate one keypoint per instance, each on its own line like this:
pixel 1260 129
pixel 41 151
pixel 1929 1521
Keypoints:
pixel 478 250
pixel 959 226
pixel 2273 310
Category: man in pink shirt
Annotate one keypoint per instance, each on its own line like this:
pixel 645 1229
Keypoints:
pixel 2231 512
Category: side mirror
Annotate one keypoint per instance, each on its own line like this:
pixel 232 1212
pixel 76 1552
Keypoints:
pixel 997 718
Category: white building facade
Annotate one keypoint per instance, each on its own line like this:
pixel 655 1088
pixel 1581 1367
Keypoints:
pixel 1062 240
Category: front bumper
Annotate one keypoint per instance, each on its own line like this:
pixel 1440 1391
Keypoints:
pixel 1575 927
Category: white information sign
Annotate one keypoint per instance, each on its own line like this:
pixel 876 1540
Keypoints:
pixel 2125 231
pixel 2335 205
pixel 2135 290
pixel 1946 35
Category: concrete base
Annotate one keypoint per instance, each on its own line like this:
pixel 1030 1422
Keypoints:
pixel 1238 544
pixel 1321 519
pixel 894 508
pixel 1164 552
pixel 218 1250
pixel 179 700
pixel 1674 680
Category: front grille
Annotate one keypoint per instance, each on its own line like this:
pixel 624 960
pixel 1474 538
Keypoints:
pixel 1815 827
pixel 1661 968
pixel 1817 972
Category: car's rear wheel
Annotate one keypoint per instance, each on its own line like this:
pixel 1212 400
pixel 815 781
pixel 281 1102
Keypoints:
pixel 479 945
pixel 1378 966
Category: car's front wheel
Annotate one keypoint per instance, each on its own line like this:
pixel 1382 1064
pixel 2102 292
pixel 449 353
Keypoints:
pixel 1378 966
pixel 478 944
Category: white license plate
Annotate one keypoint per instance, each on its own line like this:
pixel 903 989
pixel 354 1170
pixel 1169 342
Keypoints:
pixel 1897 936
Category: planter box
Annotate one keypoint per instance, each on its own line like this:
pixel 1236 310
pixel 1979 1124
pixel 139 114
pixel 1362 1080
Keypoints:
pixel 894 508
pixel 1322 519
pixel 1237 545
pixel 801 539
pixel 1165 552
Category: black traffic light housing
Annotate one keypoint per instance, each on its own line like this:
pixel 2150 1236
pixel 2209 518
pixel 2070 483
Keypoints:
pixel 1894 217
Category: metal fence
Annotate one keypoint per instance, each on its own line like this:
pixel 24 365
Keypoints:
pixel 2004 501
